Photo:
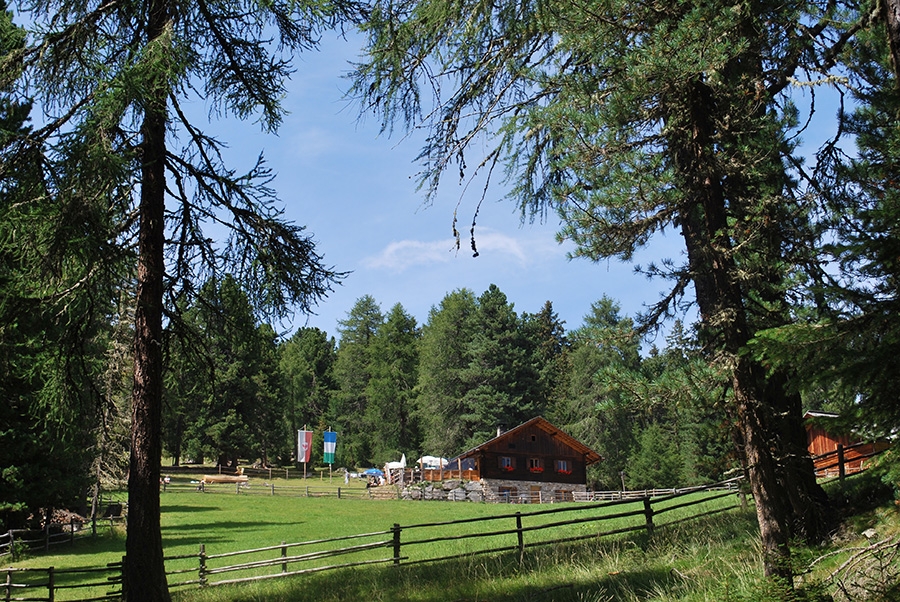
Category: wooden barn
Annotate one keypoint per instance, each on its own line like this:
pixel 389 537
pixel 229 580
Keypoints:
pixel 534 461
pixel 819 437
pixel 823 441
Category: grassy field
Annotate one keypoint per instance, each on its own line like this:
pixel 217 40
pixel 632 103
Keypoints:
pixel 711 559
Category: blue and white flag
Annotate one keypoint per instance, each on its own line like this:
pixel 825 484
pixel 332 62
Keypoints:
pixel 330 445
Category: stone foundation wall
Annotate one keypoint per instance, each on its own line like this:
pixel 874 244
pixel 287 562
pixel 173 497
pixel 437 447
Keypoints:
pixel 491 490
pixel 454 490
pixel 502 490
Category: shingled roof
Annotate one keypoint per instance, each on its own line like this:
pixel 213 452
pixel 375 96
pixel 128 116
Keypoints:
pixel 590 456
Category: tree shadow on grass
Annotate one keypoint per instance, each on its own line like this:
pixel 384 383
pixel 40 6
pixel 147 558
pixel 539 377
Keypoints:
pixel 452 582
pixel 186 509
pixel 227 525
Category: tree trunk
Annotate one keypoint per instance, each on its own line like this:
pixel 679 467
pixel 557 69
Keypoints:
pixel 704 224
pixel 805 496
pixel 144 574
pixel 891 13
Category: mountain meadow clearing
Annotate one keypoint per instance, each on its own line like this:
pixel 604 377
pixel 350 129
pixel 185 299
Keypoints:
pixel 554 555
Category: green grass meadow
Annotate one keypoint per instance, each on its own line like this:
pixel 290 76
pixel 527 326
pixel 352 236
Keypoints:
pixel 714 558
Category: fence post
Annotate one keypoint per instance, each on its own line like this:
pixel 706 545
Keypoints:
pixel 339 493
pixel 7 595
pixel 50 585
pixel 12 546
pixel 396 530
pixel 520 536
pixel 283 555
pixel 71 530
pixel 201 572
pixel 648 512
pixel 122 576
pixel 273 488
pixel 840 459
pixel 307 491
pixel 46 536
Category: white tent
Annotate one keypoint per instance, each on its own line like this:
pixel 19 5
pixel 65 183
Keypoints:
pixel 432 462
pixel 393 465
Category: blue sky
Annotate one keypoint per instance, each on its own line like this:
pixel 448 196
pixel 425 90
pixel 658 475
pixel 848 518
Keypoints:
pixel 355 191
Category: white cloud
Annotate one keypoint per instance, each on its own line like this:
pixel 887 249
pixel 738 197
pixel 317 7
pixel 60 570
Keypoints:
pixel 402 255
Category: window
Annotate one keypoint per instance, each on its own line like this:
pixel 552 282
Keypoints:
pixel 563 495
pixel 507 463
pixel 508 494
pixel 535 465
pixel 563 467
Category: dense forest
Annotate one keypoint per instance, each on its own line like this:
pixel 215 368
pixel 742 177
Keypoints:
pixel 389 386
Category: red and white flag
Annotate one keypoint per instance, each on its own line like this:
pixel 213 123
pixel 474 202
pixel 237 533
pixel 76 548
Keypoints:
pixel 304 445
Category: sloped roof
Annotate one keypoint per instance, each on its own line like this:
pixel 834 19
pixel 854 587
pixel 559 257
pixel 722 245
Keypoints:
pixel 590 456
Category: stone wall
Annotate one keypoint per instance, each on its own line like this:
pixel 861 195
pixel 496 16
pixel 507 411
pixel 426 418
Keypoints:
pixel 506 490
pixel 454 490
pixel 491 490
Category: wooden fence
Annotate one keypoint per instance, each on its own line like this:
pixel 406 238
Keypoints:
pixel 440 541
pixel 400 545
pixel 847 460
pixel 15 541
pixel 50 584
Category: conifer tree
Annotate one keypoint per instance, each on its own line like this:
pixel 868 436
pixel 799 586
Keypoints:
pixel 306 364
pixel 111 78
pixel 630 119
pixel 391 418
pixel 352 372
pixel 444 354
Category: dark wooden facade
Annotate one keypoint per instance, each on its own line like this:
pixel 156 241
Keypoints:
pixel 535 451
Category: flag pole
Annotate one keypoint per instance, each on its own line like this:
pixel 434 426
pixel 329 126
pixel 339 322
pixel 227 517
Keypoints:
pixel 304 456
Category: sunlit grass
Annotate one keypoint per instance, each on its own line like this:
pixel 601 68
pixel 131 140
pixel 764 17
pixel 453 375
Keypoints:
pixel 712 559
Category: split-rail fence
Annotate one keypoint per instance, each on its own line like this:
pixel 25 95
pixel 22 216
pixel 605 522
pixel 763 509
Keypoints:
pixel 400 545
pixel 395 546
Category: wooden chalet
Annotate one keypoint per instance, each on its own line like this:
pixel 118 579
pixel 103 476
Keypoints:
pixel 535 460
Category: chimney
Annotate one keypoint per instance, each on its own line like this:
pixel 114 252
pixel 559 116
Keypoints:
pixel 501 428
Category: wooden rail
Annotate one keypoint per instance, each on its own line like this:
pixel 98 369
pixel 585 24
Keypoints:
pixel 426 542
pixel 79 584
pixel 847 460
pixel 399 546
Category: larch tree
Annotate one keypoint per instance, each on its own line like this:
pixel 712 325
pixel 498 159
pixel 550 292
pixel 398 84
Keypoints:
pixel 850 337
pixel 627 120
pixel 110 79
pixel 55 303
